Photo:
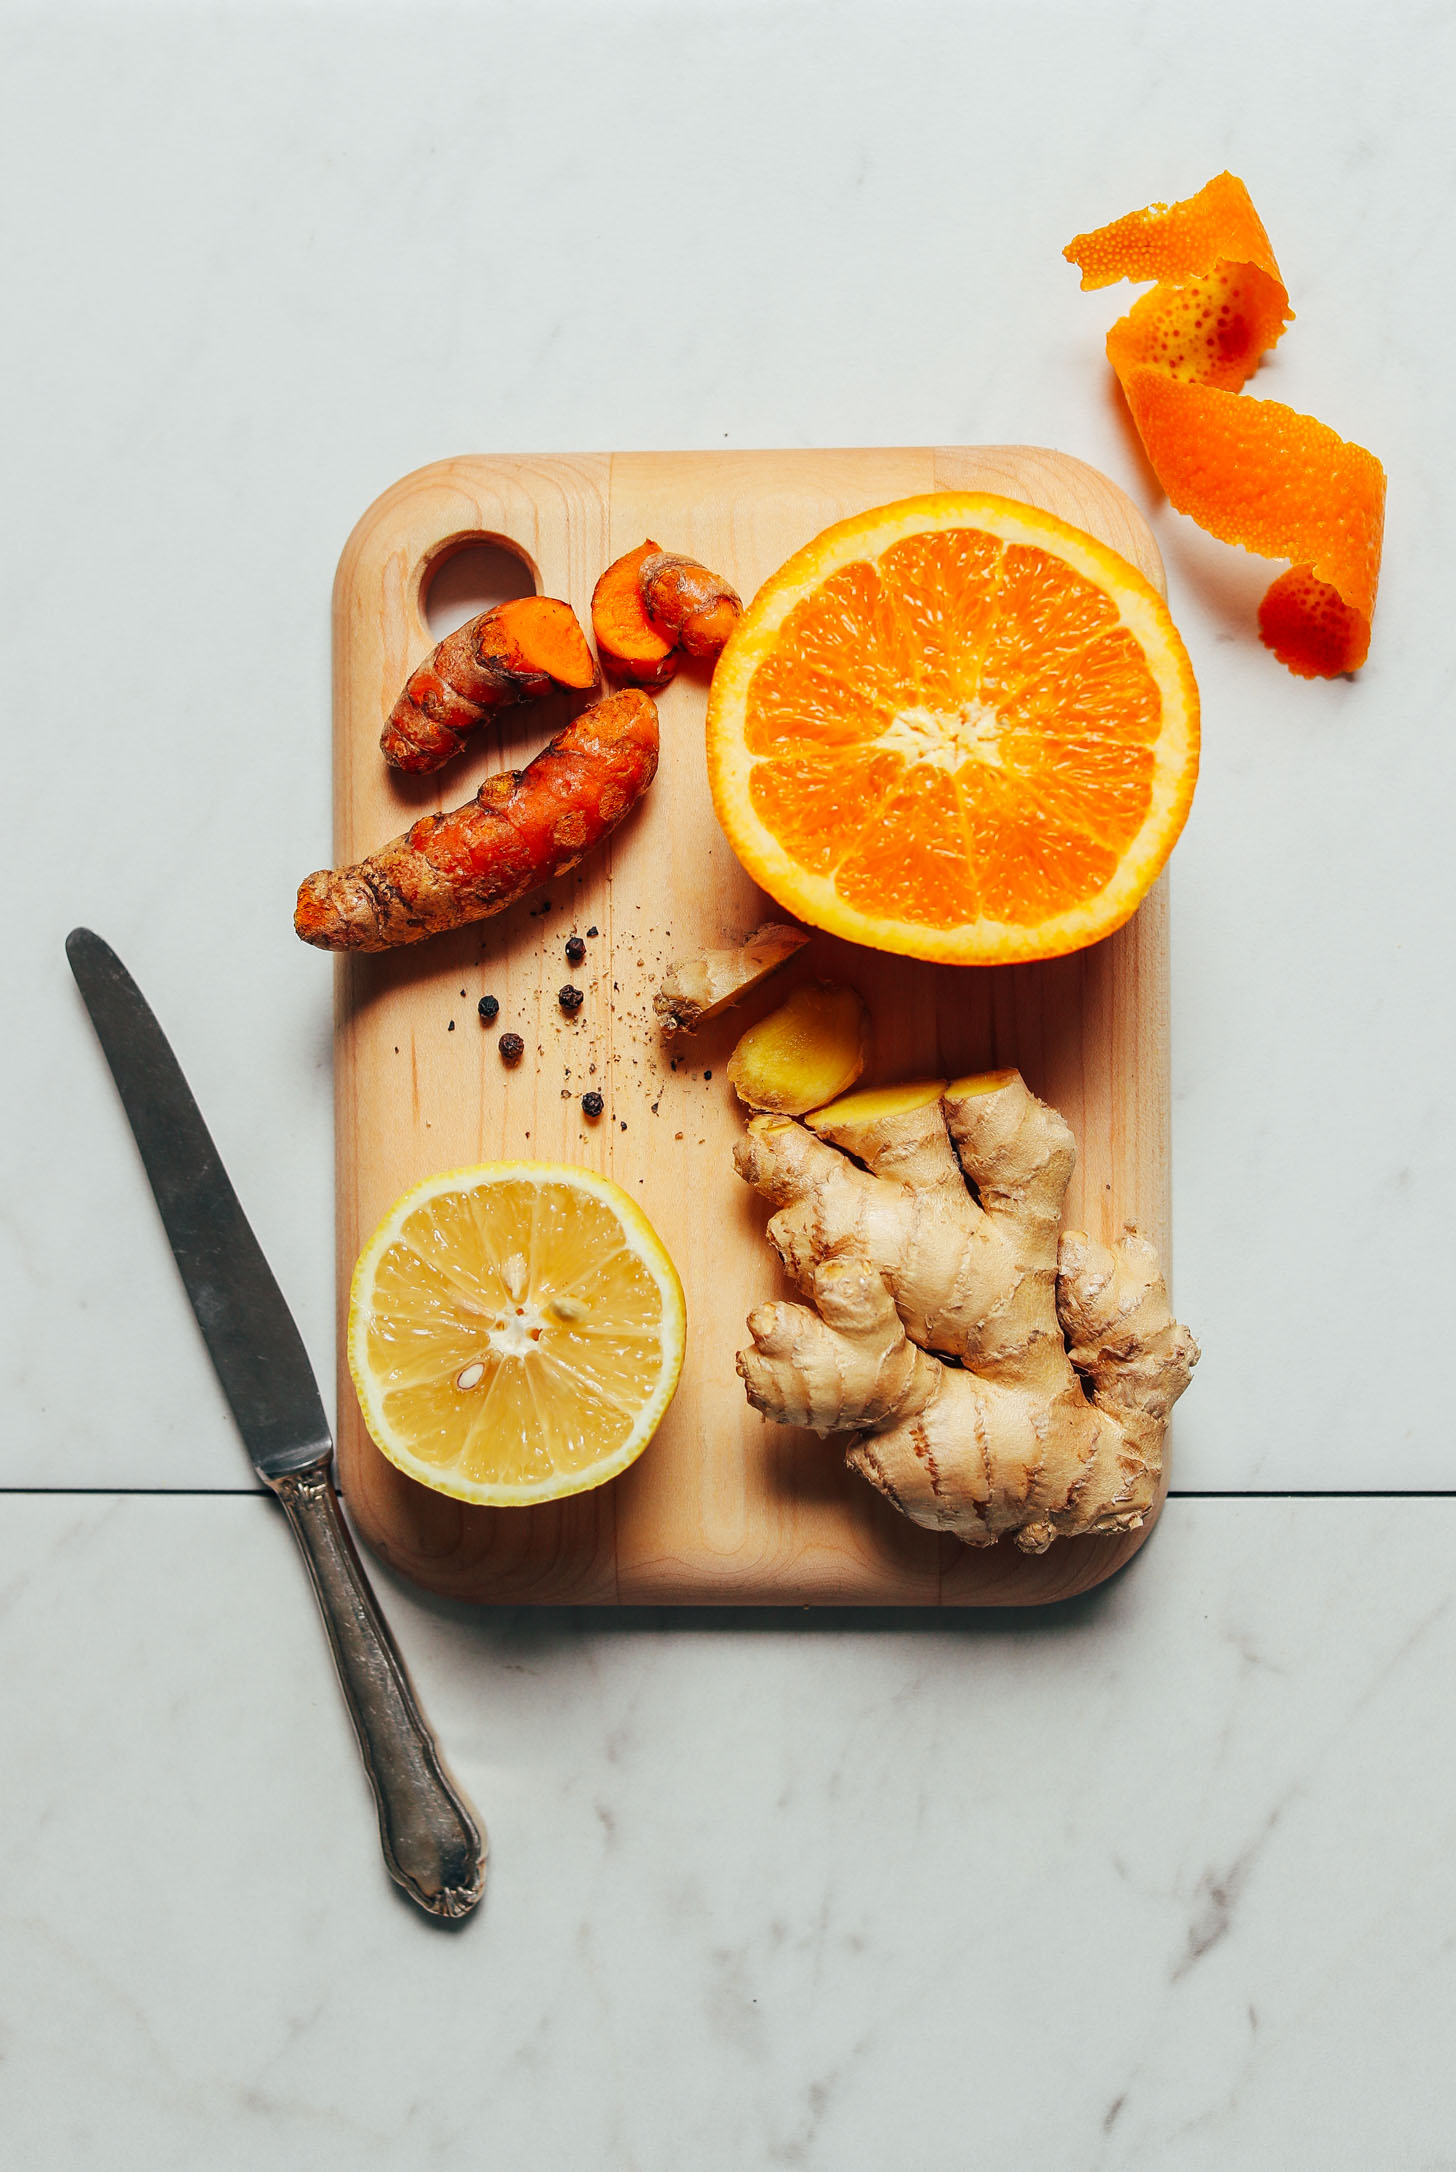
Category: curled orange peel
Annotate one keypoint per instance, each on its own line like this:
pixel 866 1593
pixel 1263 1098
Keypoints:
pixel 1249 471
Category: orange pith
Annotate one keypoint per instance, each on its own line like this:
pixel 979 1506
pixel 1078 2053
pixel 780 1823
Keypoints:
pixel 956 728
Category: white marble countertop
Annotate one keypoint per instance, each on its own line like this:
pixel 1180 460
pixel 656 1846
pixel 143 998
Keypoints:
pixel 1162 1880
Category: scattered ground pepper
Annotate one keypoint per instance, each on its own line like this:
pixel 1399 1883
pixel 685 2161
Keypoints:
pixel 488 1006
pixel 570 999
pixel 575 950
pixel 592 1104
pixel 451 1027
pixel 512 1047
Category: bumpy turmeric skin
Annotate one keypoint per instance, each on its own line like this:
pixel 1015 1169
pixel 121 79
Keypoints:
pixel 523 828
pixel 653 607
pixel 698 609
pixel 516 652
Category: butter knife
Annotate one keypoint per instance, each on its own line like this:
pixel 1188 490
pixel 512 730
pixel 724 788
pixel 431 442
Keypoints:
pixel 433 1845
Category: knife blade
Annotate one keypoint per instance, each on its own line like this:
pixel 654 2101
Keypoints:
pixel 249 1331
pixel 433 1846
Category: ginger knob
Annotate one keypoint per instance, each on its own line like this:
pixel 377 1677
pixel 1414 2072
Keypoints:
pixel 804 1054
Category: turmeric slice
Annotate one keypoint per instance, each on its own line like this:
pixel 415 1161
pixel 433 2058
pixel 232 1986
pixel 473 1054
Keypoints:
pixel 517 652
pixel 522 828
pixel 652 607
pixel 1249 471
pixel 631 646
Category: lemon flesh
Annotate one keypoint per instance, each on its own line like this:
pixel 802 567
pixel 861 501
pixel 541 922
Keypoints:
pixel 516 1332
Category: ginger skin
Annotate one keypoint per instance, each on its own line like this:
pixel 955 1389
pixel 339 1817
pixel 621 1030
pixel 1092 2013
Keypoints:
pixel 1066 1361
pixel 517 652
pixel 522 828
pixel 697 989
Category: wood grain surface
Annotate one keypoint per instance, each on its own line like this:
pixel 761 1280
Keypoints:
pixel 723 1507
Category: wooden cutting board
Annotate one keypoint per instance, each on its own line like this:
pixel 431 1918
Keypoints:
pixel 722 1507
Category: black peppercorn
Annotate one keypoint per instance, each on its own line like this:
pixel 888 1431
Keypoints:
pixel 575 950
pixel 592 1104
pixel 570 999
pixel 591 931
pixel 487 1007
pixel 512 1047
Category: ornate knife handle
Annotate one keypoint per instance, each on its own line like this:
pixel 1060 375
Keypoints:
pixel 432 1844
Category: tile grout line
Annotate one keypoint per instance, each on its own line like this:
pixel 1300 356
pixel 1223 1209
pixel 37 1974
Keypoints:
pixel 1175 1493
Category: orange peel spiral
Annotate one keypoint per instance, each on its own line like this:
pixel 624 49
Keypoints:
pixel 1249 471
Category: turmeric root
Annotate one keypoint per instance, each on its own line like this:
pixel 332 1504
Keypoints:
pixel 697 989
pixel 684 600
pixel 522 828
pixel 516 652
pixel 803 1054
pixel 631 646
pixel 652 607
pixel 993 1381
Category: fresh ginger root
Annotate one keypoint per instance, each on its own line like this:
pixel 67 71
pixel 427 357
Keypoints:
pixel 994 1381
pixel 697 989
pixel 652 607
pixel 523 828
pixel 803 1054
pixel 518 651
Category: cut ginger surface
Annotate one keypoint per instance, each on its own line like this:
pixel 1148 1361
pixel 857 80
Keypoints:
pixel 956 728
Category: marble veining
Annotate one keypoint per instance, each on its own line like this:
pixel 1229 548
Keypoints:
pixel 782 1890
pixel 1160 1882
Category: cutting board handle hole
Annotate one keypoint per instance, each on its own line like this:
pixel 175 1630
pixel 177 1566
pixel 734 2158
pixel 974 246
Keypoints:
pixel 469 575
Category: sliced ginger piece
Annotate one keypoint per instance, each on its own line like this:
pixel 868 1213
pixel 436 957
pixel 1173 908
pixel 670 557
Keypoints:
pixel 697 989
pixel 631 646
pixel 804 1054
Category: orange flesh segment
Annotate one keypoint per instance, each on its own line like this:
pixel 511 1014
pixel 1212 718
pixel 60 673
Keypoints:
pixel 1249 471
pixel 960 729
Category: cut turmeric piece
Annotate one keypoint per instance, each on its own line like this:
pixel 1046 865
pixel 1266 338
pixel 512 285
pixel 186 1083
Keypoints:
pixel 1252 472
pixel 696 608
pixel 516 652
pixel 631 646
pixel 653 607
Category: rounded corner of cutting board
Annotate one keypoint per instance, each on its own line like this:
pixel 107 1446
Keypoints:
pixel 388 519
pixel 712 1515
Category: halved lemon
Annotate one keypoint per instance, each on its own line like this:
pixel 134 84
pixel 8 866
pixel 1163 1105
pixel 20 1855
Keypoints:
pixel 957 728
pixel 516 1332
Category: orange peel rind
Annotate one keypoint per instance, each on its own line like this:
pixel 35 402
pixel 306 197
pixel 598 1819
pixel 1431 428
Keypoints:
pixel 1251 472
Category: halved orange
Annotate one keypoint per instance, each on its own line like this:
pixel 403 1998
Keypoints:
pixel 958 728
